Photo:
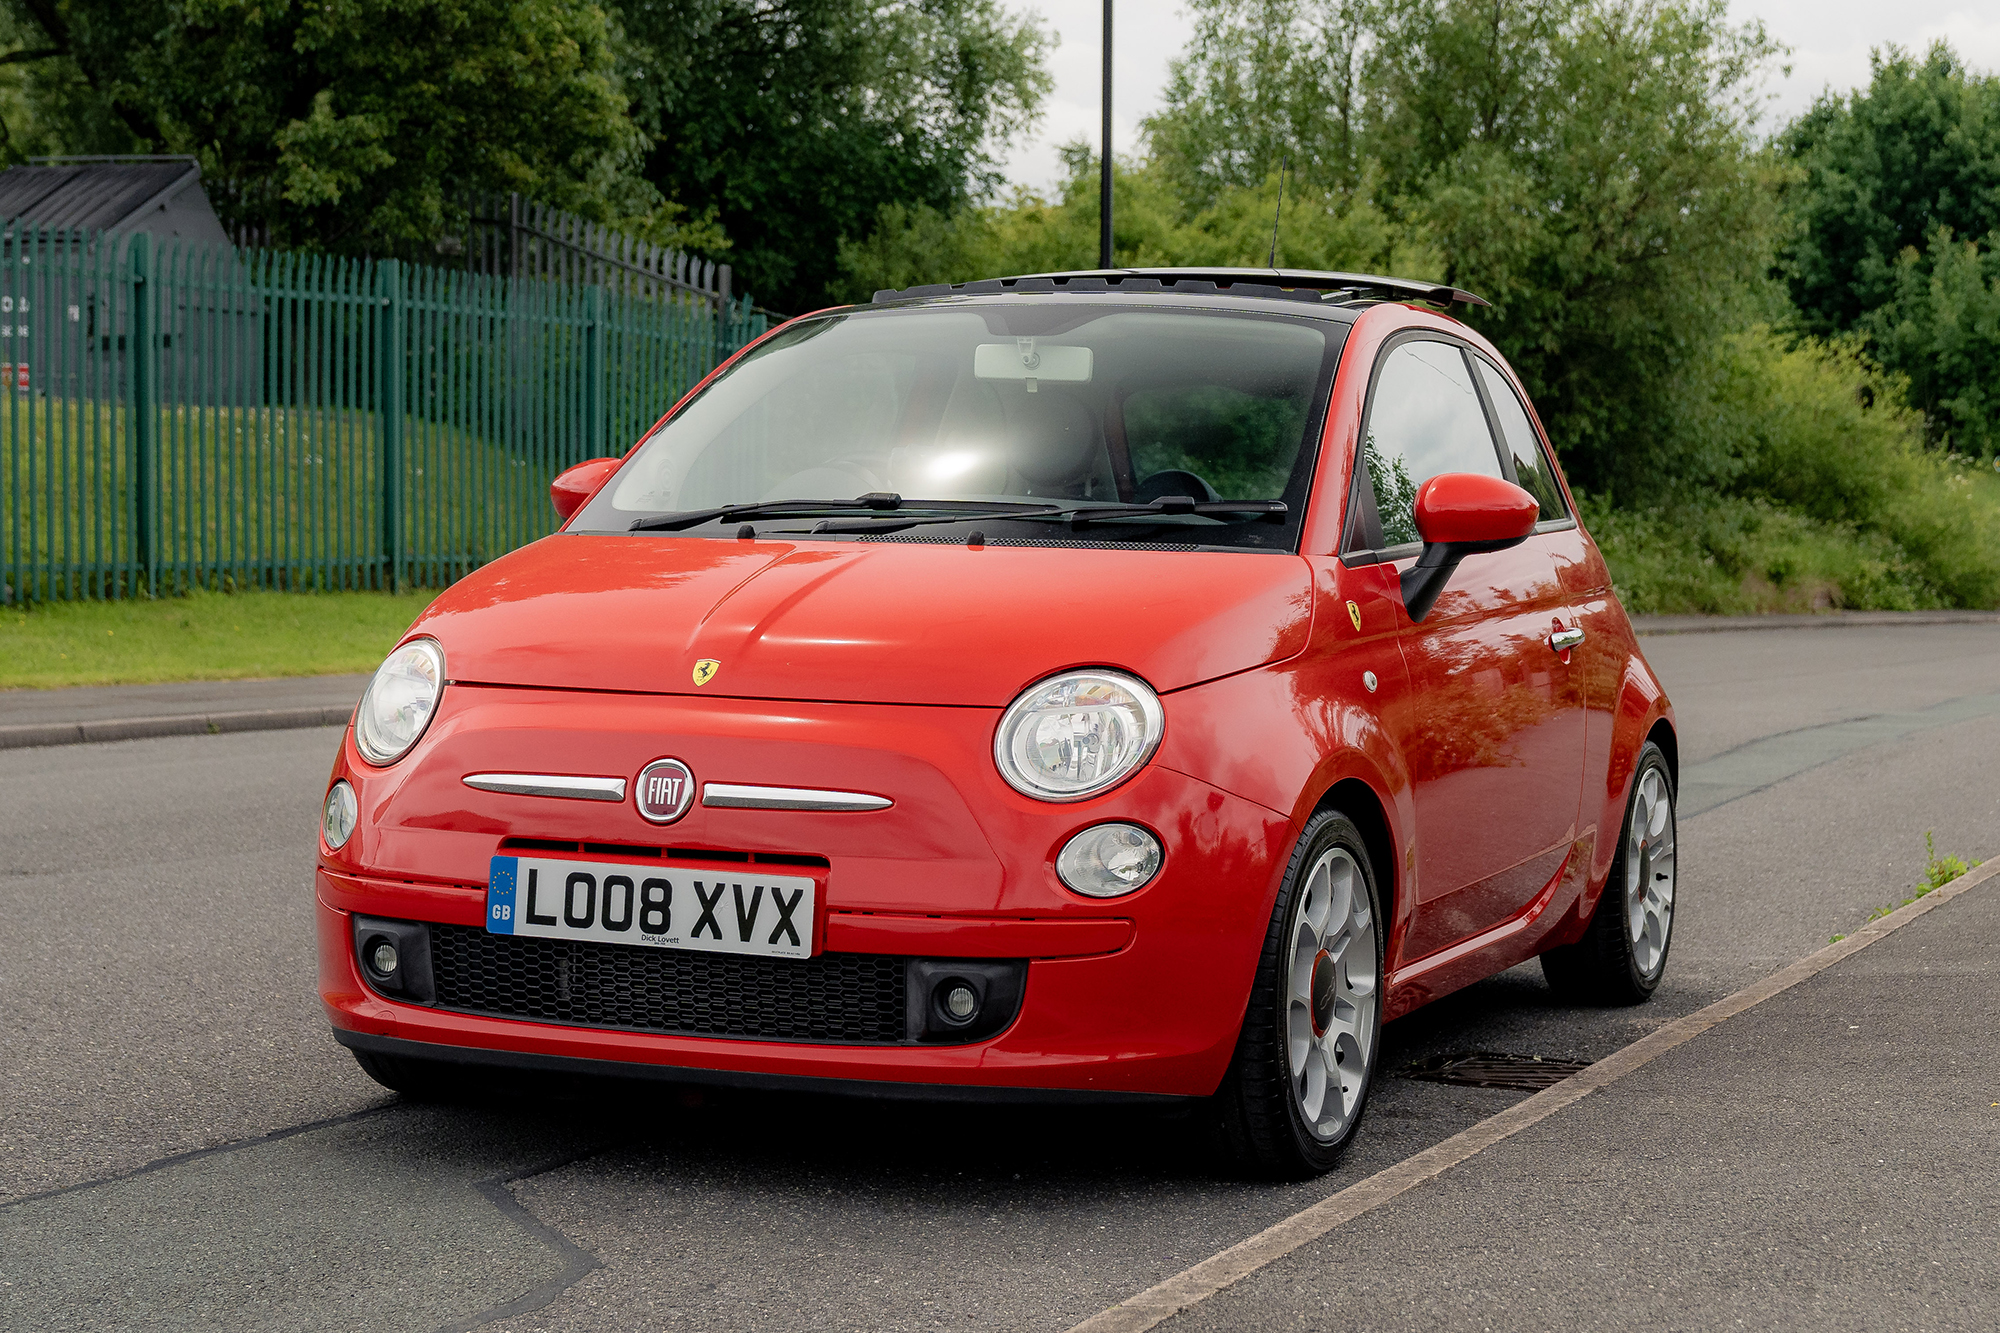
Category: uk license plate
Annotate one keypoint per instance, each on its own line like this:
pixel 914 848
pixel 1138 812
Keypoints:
pixel 619 903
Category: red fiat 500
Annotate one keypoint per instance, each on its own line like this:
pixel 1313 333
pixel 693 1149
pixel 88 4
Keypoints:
pixel 1136 685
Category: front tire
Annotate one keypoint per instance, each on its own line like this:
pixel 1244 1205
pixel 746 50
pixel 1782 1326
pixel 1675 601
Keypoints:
pixel 1623 954
pixel 1306 1058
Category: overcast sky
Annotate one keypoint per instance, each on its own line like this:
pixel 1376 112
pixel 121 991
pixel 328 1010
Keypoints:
pixel 1829 39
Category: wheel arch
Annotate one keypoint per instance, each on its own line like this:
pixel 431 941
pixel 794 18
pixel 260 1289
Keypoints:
pixel 1662 735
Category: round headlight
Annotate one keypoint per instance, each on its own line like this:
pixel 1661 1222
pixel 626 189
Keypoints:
pixel 1110 859
pixel 400 701
pixel 336 821
pixel 1077 734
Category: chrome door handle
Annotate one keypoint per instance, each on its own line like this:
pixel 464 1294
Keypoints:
pixel 1565 639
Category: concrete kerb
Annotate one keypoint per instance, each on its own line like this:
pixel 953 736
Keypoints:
pixel 1164 1300
pixel 27 735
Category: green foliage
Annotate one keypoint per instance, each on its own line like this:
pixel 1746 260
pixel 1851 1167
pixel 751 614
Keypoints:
pixel 1598 185
pixel 1263 83
pixel 1897 202
pixel 350 125
pixel 1320 228
pixel 796 124
pixel 1824 496
pixel 1940 327
pixel 1880 171
pixel 1726 555
pixel 1584 164
pixel 1938 872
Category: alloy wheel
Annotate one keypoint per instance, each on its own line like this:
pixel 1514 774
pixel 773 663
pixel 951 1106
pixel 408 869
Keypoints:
pixel 1649 872
pixel 1331 1010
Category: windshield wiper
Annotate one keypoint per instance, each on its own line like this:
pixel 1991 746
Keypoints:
pixel 851 526
pixel 1171 504
pixel 789 508
pixel 1176 504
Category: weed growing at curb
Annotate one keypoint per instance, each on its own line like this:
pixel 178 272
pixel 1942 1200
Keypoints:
pixel 1938 872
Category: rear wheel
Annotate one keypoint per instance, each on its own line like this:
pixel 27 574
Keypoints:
pixel 1306 1057
pixel 1623 955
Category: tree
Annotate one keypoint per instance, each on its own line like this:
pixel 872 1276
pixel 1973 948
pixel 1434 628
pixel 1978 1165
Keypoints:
pixel 1880 171
pixel 795 122
pixel 1940 327
pixel 1319 228
pixel 1263 84
pixel 352 125
pixel 1897 204
pixel 1587 165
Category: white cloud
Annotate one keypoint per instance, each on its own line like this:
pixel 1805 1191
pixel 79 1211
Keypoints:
pixel 1830 41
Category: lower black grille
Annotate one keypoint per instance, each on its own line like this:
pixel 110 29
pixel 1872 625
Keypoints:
pixel 839 997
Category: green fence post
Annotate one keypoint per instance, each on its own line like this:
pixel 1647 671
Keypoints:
pixel 596 430
pixel 395 370
pixel 145 408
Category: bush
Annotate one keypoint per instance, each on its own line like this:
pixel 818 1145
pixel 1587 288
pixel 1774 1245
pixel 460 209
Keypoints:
pixel 1731 556
pixel 1820 494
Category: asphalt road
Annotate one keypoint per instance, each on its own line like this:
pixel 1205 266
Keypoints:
pixel 184 1146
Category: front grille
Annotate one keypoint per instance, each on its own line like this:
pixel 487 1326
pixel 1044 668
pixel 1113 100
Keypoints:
pixel 836 997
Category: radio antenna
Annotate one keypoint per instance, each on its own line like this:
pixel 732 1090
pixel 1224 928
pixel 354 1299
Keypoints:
pixel 1284 163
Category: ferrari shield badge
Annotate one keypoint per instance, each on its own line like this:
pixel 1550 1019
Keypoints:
pixel 1353 614
pixel 705 669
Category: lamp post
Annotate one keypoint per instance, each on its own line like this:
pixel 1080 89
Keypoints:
pixel 1104 167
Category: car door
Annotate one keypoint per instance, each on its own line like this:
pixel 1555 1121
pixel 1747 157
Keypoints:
pixel 1495 738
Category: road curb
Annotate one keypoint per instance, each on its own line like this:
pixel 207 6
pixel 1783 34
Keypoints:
pixel 32 735
pixel 1654 625
pixel 1189 1287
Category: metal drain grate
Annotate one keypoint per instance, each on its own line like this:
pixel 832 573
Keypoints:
pixel 1491 1069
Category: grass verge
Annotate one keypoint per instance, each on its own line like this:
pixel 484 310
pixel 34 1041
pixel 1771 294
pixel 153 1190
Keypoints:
pixel 201 636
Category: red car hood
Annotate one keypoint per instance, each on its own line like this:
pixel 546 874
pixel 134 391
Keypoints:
pixel 867 622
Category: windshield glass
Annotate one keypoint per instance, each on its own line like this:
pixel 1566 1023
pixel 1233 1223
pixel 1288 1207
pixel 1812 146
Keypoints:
pixel 992 417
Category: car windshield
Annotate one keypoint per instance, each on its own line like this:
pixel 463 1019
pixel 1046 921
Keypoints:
pixel 1029 421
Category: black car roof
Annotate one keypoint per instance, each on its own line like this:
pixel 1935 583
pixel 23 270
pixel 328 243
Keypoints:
pixel 1316 286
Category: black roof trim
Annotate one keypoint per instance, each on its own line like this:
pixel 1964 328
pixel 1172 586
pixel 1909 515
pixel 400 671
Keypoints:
pixel 1280 284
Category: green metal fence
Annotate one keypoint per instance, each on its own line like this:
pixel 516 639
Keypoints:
pixel 176 416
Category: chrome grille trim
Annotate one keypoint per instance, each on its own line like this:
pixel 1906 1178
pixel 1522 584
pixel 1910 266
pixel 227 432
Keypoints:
pixel 734 796
pixel 561 785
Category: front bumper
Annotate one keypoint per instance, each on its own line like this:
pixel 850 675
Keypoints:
pixel 1137 995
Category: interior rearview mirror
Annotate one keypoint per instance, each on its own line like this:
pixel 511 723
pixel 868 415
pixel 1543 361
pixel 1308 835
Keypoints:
pixel 1031 361
pixel 575 485
pixel 1460 514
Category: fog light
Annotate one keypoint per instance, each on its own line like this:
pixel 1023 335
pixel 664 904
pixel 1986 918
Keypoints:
pixel 383 958
pixel 960 1002
pixel 1110 859
pixel 336 822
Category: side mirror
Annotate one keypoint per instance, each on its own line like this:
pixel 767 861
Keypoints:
pixel 577 484
pixel 1460 514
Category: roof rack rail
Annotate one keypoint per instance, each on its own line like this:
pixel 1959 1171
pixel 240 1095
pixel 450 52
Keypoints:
pixel 1282 284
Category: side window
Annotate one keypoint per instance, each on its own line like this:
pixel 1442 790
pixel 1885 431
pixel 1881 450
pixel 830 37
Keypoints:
pixel 1531 466
pixel 1425 418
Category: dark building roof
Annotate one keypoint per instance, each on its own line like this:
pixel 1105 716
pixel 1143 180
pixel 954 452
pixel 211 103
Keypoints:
pixel 158 195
